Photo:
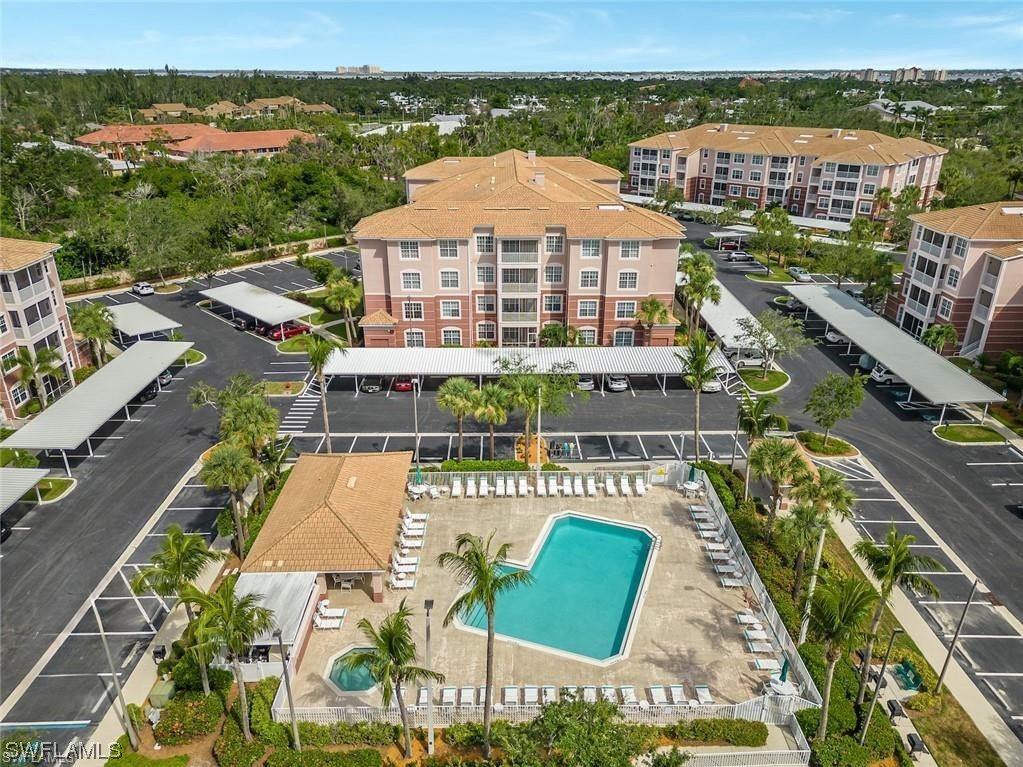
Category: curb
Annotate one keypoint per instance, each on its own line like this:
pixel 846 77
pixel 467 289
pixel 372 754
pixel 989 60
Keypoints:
pixel 855 454
pixel 62 496
pixel 768 391
pixel 934 432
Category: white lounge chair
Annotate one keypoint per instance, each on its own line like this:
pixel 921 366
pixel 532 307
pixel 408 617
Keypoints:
pixel 609 693
pixel 407 569
pixel 499 488
pixel 467 696
pixel 716 546
pixel 552 486
pixel 456 487
pixel 626 489
pixel 470 487
pixel 510 696
pixel 706 525
pixel 541 488
pixel 629 695
pixel 509 486
pixel 400 560
pixel 484 487
pixel 548 694
pixel 326 611
pixel 447 696
pixel 403 584
pixel 726 569
pixel 760 648
pixel 591 486
pixel 703 695
pixel 530 695
pixel 657 696
pixel 326 623
pixel 413 532
pixel 424 697
pixel 678 694
pixel 731 583
pixel 434 492
pixel 754 635
pixel 410 543
pixel 609 485
pixel 411 518
pixel 766 664
pixel 640 486
pixel 589 693
pixel 523 487
pixel 566 486
pixel 715 533
pixel 746 618
pixel 577 485
pixel 721 557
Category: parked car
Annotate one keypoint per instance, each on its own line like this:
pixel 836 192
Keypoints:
pixel 372 384
pixel 729 245
pixel 142 289
pixel 856 293
pixel 834 337
pixel 799 274
pixel 165 377
pixel 148 393
pixel 585 383
pixel 618 383
pixel 749 361
pixel 883 375
pixel 738 256
pixel 405 383
pixel 288 330
pixel 711 387
pixel 243 323
pixel 685 216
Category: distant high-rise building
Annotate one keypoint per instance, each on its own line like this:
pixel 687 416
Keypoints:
pixel 907 75
pixel 867 75
pixel 364 69
pixel 936 75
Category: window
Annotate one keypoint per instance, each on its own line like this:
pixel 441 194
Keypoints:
pixel 868 189
pixel 823 202
pixel 412 310
pixel 952 278
pixel 409 250
pixel 449 278
pixel 448 248
pixel 753 192
pixel 18 394
pixel 958 248
pixel 665 154
pixel 486 304
pixel 866 207
pixel 739 158
pixel 587 309
pixel 703 183
pixel 757 159
pixel 586 337
pixel 630 249
pixel 484 243
pixel 802 160
pixel 451 337
pixel 553 304
pixel 625 310
pixel 554 243
pixel 486 331
pixel 3 324
pixel 735 190
pixel 590 248
pixel 635 167
pixel 756 175
pixel 796 193
pixel 665 170
pixel 799 178
pixel 827 185
pixel 451 310
pixel 9 361
pixel 703 169
pixel 706 153
pixel 486 274
pixel 589 278
pixel 411 281
pixel 628 280
pixel 945 308
pixel 872 170
pixel 415 338
pixel 829 167
pixel 554 274
pixel 624 337
pixel 637 152
pixel 736 174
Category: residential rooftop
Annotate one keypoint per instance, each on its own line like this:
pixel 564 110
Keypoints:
pixel 139 134
pixel 17 254
pixel 988 221
pixel 240 141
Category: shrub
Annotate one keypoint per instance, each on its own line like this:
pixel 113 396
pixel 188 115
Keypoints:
pixel 840 751
pixel 841 718
pixel 30 408
pixel 72 288
pixel 507 464
pixel 187 678
pixel 923 701
pixel 262 723
pixel 129 758
pixel 187 717
pixel 470 734
pixel 232 750
pixel 103 283
pixel 313 734
pixel 348 734
pixel 846 682
pixel 83 372
pixel 365 757
pixel 928 679
pixel 719 483
pixel 672 758
pixel 17 458
pixel 320 268
pixel 882 740
pixel 735 732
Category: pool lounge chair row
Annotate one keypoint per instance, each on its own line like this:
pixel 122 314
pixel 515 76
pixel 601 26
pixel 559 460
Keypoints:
pixel 678 695
pixel 535 695
pixel 566 485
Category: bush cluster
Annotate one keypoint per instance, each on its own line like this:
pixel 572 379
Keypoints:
pixel 839 751
pixel 348 734
pixel 231 749
pixel 260 719
pixel 30 408
pixel 734 732
pixel 188 716
pixel 507 464
pixel 187 678
pixel 365 757
pixel 83 372
pixel 923 701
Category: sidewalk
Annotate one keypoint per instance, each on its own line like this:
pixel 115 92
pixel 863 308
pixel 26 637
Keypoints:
pixel 991 422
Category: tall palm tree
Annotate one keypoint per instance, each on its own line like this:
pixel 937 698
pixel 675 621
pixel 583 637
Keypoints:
pixel 755 419
pixel 343 295
pixel 1014 175
pixel 801 528
pixel 390 659
pixel 523 394
pixel 179 562
pixel 490 406
pixel 229 623
pixel 251 423
pixel 698 368
pixel 456 395
pixel 35 366
pixel 232 467
pixel 651 311
pixel 320 349
pixel 95 323
pixel 882 199
pixel 828 495
pixel 484 577
pixel 893 563
pixel 939 336
pixel 778 461
pixel 700 285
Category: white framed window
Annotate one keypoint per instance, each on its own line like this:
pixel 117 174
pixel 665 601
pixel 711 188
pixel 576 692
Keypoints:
pixel 736 174
pixel 588 310
pixel 827 185
pixel 412 310
pixel 757 159
pixel 625 337
pixel 866 207
pixel 796 194
pixel 486 274
pixel 484 243
pixel 756 175
pixel 665 154
pixel 952 278
pixel 665 170
pixel 554 244
pixel 448 248
pixel 9 361
pixel 19 395
pixel 703 183
pixel 553 304
pixel 625 310
pixel 829 167
pixel 451 337
pixel 586 336
pixel 873 170
pixel 486 331
pixel 739 158
pixel 703 168
pixel 451 310
pixel 449 278
pixel 589 278
pixel 959 247
pixel 637 152
pixel 554 274
pixel 628 280
pixel 799 178
pixel 945 308
pixel 700 197
pixel 590 249
pixel 735 190
pixel 869 189
pixel 3 323
pixel 486 304
pixel 630 249
pixel 802 160
pixel 706 153
pixel 415 338
pixel 409 250
pixel 411 281
pixel 635 167
pixel 753 192
pixel 823 202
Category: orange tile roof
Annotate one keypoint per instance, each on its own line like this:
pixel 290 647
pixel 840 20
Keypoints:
pixel 1007 252
pixel 446 167
pixel 988 221
pixel 172 107
pixel 140 134
pixel 376 319
pixel 240 141
pixel 17 254
pixel 335 514
pixel 221 108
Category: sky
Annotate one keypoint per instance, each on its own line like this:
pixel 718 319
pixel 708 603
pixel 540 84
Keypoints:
pixel 424 35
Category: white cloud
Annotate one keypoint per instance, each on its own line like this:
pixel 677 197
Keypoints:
pixel 814 15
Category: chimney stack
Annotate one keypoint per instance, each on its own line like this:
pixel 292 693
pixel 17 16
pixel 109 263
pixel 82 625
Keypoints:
pixel 723 128
pixel 538 178
pixel 531 155
pixel 836 132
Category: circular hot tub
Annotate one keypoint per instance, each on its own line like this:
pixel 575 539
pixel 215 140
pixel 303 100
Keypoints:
pixel 347 679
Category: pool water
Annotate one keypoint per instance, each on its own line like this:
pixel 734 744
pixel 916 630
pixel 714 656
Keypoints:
pixel 587 577
pixel 351 679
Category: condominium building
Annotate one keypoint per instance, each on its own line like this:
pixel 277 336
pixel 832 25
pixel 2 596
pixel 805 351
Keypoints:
pixel 184 139
pixel 965 268
pixel 820 173
pixel 32 314
pixel 489 250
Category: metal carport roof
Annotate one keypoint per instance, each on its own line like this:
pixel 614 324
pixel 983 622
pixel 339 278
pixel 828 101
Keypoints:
pixel 286 595
pixel 14 483
pixel 76 416
pixel 593 360
pixel 723 317
pixel 930 374
pixel 139 320
pixel 256 302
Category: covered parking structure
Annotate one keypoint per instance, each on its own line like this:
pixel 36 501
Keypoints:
pixel 657 361
pixel 722 319
pixel 134 321
pixel 253 301
pixel 924 371
pixel 14 483
pixel 72 420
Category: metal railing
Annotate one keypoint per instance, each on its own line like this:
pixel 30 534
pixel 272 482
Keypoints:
pixel 444 479
pixel 930 248
pixel 36 328
pixel 989 280
pixel 519 316
pixel 922 277
pixel 518 287
pixel 919 308
pixel 519 258
pixel 20 295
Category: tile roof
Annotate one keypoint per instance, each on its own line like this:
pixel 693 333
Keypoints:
pixel 280 101
pixel 988 221
pixel 861 146
pixel 376 319
pixel 446 167
pixel 240 141
pixel 173 107
pixel 221 108
pixel 1007 252
pixel 139 134
pixel 335 514
pixel 317 109
pixel 16 254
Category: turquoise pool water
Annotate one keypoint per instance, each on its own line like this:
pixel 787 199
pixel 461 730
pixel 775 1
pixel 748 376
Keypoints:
pixel 351 679
pixel 586 579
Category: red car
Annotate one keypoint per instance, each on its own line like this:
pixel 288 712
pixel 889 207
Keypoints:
pixel 729 245
pixel 404 383
pixel 288 330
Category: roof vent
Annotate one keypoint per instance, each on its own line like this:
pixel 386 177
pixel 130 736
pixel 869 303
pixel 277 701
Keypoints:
pixel 538 178
pixel 531 155
pixel 1012 211
pixel 451 161
pixel 351 482
pixel 723 128
pixel 836 132
pixel 603 206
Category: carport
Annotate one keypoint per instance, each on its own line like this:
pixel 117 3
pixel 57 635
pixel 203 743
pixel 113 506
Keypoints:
pixel 253 301
pixel 14 483
pixel 723 318
pixel 135 320
pixel 729 234
pixel 924 371
pixel 74 418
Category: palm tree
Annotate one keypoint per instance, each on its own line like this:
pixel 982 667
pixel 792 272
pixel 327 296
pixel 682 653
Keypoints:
pixel 755 420
pixel 251 423
pixel 700 285
pixel 801 528
pixel 179 562
pixel 698 369
pixel 35 366
pixel 779 462
pixel 484 578
pixel 840 610
pixel 919 114
pixel 390 659
pixel 343 295
pixel 231 467
pixel 232 623
pixel 490 406
pixel 1014 175
pixel 456 395
pixel 940 335
pixel 95 323
pixel 320 349
pixel 893 563
pixel 827 494
pixel 882 199
pixel 523 391
pixel 274 456
pixel 652 311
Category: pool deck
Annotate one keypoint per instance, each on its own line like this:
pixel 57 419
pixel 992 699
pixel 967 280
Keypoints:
pixel 686 631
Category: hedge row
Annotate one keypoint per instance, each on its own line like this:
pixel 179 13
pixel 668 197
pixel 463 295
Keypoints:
pixel 734 732
pixel 348 734
pixel 365 757
pixel 231 749
pixel 187 717
pixel 260 719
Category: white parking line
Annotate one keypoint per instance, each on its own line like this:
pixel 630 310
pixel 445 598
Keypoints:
pixel 138 604
pixel 646 456
pixel 219 279
pixel 995 463
pixel 283 290
pixel 1007 484
pixel 878 500
pixel 276 269
pixel 610 447
pixel 887 521
pixel 299 284
pixel 192 508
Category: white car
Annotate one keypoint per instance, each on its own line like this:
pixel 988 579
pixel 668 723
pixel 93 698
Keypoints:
pixel 711 387
pixel 585 383
pixel 799 274
pixel 883 375
pixel 834 337
pixel 142 289
pixel 618 383
pixel 749 361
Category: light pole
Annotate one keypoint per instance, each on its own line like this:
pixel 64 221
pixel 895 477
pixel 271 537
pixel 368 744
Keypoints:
pixel 129 726
pixel 955 638
pixel 805 625
pixel 428 605
pixel 877 685
pixel 415 415
pixel 287 688
pixel 539 407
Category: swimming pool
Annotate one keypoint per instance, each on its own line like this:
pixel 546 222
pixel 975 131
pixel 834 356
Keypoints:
pixel 356 679
pixel 587 575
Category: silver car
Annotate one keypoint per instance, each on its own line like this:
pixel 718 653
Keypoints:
pixel 585 383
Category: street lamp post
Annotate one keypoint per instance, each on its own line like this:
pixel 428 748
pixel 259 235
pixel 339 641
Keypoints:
pixel 877 685
pixel 428 605
pixel 287 688
pixel 415 415
pixel 955 638
pixel 129 726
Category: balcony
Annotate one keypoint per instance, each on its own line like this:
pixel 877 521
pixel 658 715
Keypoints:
pixel 23 295
pixel 923 279
pixel 520 258
pixel 930 248
pixel 920 309
pixel 848 193
pixel 846 174
pixel 989 280
pixel 981 312
pixel 519 316
pixel 36 329
pixel 519 287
